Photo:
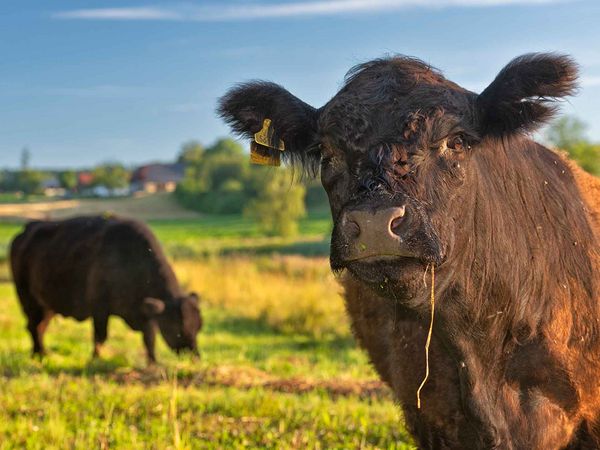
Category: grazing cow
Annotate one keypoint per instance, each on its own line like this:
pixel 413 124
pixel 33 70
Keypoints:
pixel 101 266
pixel 422 174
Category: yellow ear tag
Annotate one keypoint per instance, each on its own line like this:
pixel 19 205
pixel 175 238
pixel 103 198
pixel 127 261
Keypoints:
pixel 263 150
pixel 265 137
pixel 264 156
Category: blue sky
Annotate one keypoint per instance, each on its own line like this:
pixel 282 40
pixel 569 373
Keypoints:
pixel 83 82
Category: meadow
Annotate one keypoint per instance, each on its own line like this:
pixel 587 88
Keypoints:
pixel 279 368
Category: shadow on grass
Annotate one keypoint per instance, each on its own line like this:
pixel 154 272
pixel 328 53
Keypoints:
pixel 255 337
pixel 240 326
pixel 20 364
pixel 247 327
pixel 316 248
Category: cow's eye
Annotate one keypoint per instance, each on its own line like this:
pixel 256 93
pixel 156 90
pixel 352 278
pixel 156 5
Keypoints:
pixel 457 143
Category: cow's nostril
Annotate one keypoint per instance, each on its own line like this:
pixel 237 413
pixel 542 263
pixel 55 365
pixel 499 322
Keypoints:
pixel 398 220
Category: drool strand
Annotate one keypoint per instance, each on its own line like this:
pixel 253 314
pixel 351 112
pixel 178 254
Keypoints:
pixel 432 300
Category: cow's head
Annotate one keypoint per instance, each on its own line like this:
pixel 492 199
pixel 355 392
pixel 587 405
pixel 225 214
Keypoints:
pixel 179 320
pixel 397 150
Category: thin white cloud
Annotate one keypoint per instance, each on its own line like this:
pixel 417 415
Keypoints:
pixel 224 13
pixel 145 13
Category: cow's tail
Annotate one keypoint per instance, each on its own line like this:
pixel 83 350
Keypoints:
pixel 17 246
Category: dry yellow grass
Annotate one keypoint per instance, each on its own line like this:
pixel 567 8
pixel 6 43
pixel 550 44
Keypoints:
pixel 145 207
pixel 290 293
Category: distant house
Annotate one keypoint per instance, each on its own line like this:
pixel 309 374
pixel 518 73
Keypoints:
pixel 84 180
pixel 157 177
pixel 52 188
pixel 86 186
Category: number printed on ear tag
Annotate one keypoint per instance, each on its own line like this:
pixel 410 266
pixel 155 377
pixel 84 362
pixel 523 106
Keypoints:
pixel 266 137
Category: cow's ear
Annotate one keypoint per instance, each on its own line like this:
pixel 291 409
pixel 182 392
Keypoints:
pixel 292 122
pixel 523 96
pixel 152 307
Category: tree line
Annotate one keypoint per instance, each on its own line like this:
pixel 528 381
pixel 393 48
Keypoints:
pixel 31 181
pixel 219 180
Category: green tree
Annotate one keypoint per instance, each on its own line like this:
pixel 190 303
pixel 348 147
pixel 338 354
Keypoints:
pixel 30 181
pixel 25 158
pixel 216 181
pixel 111 175
pixel 279 203
pixel 568 134
pixel 587 156
pixel 191 152
pixel 68 179
pixel 225 147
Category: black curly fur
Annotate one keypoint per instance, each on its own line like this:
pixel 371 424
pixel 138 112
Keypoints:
pixel 523 95
pixel 246 106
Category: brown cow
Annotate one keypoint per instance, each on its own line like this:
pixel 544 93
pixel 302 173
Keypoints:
pixel 424 174
pixel 101 266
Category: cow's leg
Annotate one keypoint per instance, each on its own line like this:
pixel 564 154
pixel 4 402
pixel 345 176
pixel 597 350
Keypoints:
pixel 35 317
pixel 100 332
pixel 149 332
pixel 38 320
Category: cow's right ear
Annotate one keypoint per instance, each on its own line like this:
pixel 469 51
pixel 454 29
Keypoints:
pixel 246 106
pixel 523 95
pixel 152 307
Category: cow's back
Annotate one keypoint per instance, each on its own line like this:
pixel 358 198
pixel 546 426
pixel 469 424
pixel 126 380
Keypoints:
pixel 80 266
pixel 129 267
pixel 52 260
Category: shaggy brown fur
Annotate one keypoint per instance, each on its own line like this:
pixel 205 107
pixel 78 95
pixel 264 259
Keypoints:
pixel 515 355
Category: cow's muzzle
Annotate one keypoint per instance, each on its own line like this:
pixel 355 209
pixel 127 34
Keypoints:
pixel 374 234
pixel 389 233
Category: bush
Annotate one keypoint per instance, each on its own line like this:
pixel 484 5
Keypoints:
pixel 587 156
pixel 214 180
pixel 220 202
pixel 279 204
pixel 568 133
pixel 220 180
pixel 316 197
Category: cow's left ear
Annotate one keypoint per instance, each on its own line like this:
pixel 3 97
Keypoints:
pixel 523 96
pixel 152 307
pixel 292 124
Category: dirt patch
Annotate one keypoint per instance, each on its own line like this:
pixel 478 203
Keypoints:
pixel 143 207
pixel 248 378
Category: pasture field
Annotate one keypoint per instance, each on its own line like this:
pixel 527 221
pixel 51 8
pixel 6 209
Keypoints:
pixel 279 368
pixel 144 207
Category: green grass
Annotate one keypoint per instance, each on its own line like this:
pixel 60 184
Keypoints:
pixel 12 197
pixel 221 235
pixel 231 226
pixel 68 400
pixel 259 383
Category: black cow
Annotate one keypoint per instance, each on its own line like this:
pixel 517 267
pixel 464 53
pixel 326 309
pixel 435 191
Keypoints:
pixel 425 175
pixel 101 266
